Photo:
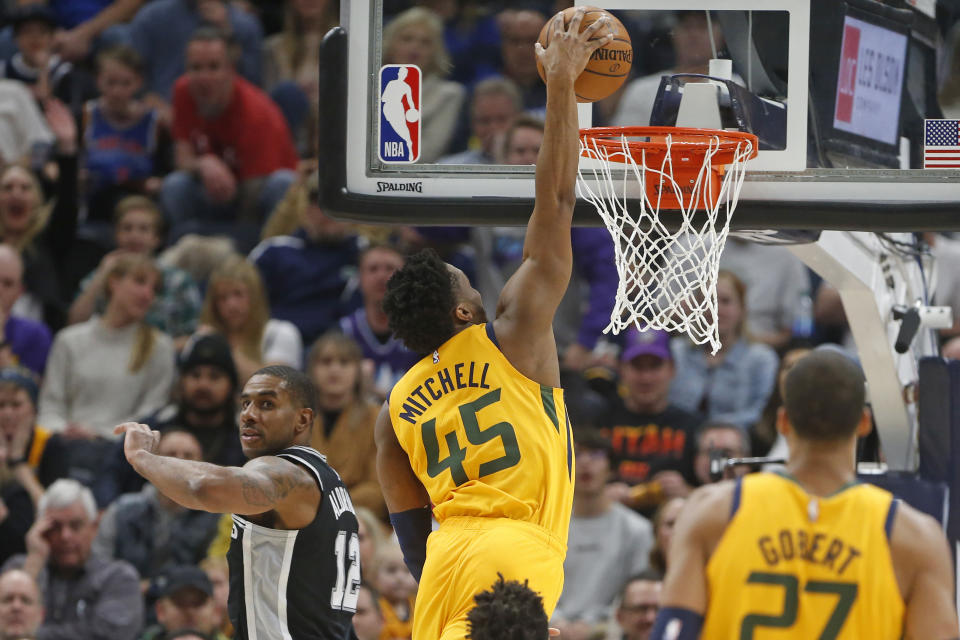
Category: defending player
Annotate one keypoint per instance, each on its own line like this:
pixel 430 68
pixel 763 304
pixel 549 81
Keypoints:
pixel 294 550
pixel 478 427
pixel 809 553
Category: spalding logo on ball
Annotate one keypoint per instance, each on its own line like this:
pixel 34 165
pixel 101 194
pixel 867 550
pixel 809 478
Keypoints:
pixel 609 65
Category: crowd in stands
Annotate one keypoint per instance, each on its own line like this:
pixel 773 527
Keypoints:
pixel 161 240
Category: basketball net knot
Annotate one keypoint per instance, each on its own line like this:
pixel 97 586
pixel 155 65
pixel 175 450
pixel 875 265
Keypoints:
pixel 668 260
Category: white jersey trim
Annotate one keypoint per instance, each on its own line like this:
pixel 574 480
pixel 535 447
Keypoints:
pixel 282 587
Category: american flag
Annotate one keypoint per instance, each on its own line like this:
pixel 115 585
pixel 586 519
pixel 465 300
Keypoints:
pixel 941 148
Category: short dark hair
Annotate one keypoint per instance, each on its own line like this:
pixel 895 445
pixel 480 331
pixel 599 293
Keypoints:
pixel 209 33
pixel 647 575
pixel 593 440
pixel 507 611
pixel 825 393
pixel 419 302
pixel 296 383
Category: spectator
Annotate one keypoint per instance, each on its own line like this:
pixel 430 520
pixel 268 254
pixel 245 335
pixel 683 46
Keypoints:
pixel 763 434
pixel 370 535
pixel 22 340
pixel 519 29
pixel 149 530
pixel 161 30
pixel 24 134
pixel 692 52
pixel 198 255
pixel 85 596
pixel 494 105
pixel 236 307
pixel 397 592
pixel 653 439
pixel 368 620
pixel 521 145
pixel 416 37
pixel 778 289
pixel 21 607
pixel 734 384
pixel 132 362
pixel 664 520
pixel 31 458
pixel 345 418
pixel 35 64
pixel 219 573
pixel 137 230
pixel 290 62
pixel 471 36
pixel 122 136
pixel 639 603
pixel 43 233
pixel 205 407
pixel 368 325
pixel 184 602
pixel 307 272
pixel 608 543
pixel 90 24
pixel 233 152
pixel 727 440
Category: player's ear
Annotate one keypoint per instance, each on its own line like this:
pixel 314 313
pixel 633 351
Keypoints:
pixel 304 420
pixel 783 424
pixel 865 426
pixel 462 313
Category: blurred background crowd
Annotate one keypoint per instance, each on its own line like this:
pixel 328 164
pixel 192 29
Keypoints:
pixel 160 240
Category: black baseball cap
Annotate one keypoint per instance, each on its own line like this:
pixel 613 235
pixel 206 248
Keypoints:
pixel 209 349
pixel 32 13
pixel 180 577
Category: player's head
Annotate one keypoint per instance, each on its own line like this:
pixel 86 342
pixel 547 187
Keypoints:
pixel 824 398
pixel 428 301
pixel 507 611
pixel 277 407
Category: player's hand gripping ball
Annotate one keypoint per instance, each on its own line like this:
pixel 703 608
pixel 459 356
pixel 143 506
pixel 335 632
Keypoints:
pixel 609 65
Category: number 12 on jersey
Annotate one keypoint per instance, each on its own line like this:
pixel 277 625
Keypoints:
pixel 346 591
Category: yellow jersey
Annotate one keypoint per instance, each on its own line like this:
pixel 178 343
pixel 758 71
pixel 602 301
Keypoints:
pixel 793 565
pixel 484 439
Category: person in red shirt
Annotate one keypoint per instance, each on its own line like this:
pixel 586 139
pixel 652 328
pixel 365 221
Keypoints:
pixel 235 157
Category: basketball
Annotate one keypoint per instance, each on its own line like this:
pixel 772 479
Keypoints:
pixel 609 66
pixel 412 115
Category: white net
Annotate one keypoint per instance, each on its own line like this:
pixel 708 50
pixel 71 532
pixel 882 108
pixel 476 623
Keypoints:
pixel 668 268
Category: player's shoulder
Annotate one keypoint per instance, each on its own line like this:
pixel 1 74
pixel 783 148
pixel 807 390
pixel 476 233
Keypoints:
pixel 710 507
pixel 914 534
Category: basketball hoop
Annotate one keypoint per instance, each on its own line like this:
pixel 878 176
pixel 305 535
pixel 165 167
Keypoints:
pixel 667 268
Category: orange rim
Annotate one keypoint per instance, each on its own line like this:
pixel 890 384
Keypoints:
pixel 685 142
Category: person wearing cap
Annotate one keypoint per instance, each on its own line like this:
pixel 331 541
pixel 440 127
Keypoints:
pixel 35 64
pixel 205 407
pixel 149 530
pixel 184 603
pixel 652 439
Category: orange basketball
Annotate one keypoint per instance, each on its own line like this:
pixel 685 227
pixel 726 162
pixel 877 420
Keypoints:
pixel 609 65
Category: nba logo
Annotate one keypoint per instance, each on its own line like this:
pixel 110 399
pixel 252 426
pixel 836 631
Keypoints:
pixel 399 139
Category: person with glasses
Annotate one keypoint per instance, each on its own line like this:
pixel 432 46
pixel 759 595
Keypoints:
pixel 639 602
pixel 722 438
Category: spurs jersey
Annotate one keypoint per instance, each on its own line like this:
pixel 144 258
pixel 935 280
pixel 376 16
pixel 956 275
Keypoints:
pixel 302 583
pixel 793 565
pixel 482 438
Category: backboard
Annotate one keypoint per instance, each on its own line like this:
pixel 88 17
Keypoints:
pixel 839 90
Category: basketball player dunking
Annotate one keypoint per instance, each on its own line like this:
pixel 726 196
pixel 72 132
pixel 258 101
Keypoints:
pixel 478 427
pixel 808 553
pixel 294 550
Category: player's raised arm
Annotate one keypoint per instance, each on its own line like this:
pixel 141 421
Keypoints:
pixel 530 298
pixel 924 568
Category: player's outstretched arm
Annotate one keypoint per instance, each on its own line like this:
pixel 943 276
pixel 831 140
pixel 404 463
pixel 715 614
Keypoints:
pixel 683 603
pixel 924 569
pixel 264 484
pixel 530 298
